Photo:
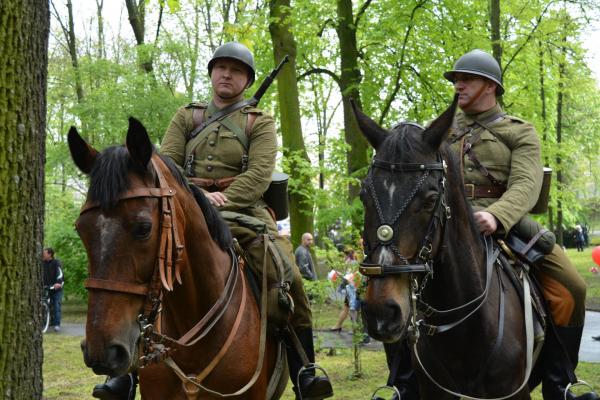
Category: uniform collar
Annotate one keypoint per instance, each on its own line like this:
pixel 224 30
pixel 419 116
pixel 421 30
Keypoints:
pixel 469 119
pixel 211 109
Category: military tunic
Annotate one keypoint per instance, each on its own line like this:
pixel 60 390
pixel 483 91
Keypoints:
pixel 511 153
pixel 219 154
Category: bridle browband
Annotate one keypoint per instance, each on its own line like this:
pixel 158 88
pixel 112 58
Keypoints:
pixel 386 232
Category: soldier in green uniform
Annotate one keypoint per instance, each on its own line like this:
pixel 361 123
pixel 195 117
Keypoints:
pixel 232 161
pixel 500 160
pixel 500 156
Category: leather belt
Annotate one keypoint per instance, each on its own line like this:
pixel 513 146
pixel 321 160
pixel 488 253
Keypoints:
pixel 488 191
pixel 213 185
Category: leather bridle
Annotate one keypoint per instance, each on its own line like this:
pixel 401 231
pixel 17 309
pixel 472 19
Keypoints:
pixel 387 232
pixel 157 347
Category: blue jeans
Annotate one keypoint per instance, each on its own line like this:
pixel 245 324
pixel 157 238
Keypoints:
pixel 55 300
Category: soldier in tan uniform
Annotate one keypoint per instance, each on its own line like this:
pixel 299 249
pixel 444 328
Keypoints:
pixel 500 160
pixel 235 175
pixel 500 156
pixel 232 160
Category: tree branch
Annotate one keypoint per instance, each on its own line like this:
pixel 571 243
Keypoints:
pixel 361 11
pixel 320 71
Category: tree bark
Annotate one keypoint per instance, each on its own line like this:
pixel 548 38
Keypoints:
pixel 137 20
pixel 350 79
pixel 495 34
pixel 301 201
pixel 24 41
pixel 559 124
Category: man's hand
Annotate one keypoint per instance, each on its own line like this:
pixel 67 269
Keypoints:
pixel 57 286
pixel 217 199
pixel 487 222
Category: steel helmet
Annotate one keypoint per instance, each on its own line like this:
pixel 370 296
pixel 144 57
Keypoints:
pixel 478 62
pixel 236 51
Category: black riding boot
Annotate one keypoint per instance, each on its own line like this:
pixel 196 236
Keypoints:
pixel 117 388
pixel 556 379
pixel 402 374
pixel 311 387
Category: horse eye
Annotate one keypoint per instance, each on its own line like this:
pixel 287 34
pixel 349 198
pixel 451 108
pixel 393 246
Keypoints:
pixel 430 201
pixel 141 230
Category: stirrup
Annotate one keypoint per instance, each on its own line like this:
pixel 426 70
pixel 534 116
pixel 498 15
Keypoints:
pixel 310 366
pixel 578 383
pixel 385 387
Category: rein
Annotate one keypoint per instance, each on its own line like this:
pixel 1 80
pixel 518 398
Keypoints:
pixel 156 346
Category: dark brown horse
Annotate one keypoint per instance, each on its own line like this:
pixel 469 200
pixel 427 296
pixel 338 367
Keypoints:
pixel 431 276
pixel 164 283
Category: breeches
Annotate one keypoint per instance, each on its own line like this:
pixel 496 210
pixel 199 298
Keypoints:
pixel 564 289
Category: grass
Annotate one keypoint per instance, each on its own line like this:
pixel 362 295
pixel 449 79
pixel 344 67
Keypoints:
pixel 583 262
pixel 66 376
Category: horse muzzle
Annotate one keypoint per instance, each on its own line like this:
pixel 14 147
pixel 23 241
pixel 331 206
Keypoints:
pixel 384 321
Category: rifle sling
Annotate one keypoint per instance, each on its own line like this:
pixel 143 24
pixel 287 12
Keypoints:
pixel 220 114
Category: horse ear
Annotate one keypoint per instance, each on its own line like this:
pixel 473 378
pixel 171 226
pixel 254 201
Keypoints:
pixel 439 128
pixel 83 155
pixel 138 143
pixel 374 134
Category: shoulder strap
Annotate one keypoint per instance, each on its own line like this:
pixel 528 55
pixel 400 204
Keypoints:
pixel 239 132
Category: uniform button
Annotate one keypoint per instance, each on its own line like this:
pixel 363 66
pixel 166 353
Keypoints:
pixel 209 157
pixel 211 143
pixel 209 168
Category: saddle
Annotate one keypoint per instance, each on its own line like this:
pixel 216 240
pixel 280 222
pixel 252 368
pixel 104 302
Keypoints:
pixel 516 259
pixel 264 253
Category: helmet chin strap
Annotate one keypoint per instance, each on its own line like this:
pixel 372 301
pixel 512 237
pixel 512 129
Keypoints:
pixel 475 98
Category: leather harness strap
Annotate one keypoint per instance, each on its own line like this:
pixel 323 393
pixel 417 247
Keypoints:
pixel 116 286
pixel 473 191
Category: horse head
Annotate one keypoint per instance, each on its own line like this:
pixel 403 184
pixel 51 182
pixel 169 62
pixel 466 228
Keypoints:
pixel 403 198
pixel 120 227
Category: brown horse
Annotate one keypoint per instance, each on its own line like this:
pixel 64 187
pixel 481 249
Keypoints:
pixel 164 282
pixel 431 276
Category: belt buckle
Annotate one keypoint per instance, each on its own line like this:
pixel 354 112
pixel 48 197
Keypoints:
pixel 470 190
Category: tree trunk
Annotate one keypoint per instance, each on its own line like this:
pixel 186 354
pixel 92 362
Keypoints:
pixel 137 16
pixel 495 34
pixel 24 40
pixel 101 44
pixel 559 123
pixel 350 79
pixel 301 204
pixel 544 118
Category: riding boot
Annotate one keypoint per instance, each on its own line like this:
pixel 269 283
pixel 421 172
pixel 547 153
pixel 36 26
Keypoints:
pixel 307 386
pixel 402 373
pixel 117 388
pixel 556 377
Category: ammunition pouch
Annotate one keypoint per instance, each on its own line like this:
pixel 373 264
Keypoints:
pixel 276 195
pixel 541 206
pixel 252 235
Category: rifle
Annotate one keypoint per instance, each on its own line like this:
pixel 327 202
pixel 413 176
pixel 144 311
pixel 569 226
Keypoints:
pixel 253 101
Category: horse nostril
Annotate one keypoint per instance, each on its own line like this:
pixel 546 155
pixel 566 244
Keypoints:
pixel 117 357
pixel 394 311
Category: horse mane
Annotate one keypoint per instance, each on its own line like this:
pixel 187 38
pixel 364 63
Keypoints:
pixel 109 180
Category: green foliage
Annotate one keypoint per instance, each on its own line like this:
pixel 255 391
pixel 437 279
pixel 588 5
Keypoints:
pixel 403 49
pixel 60 234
